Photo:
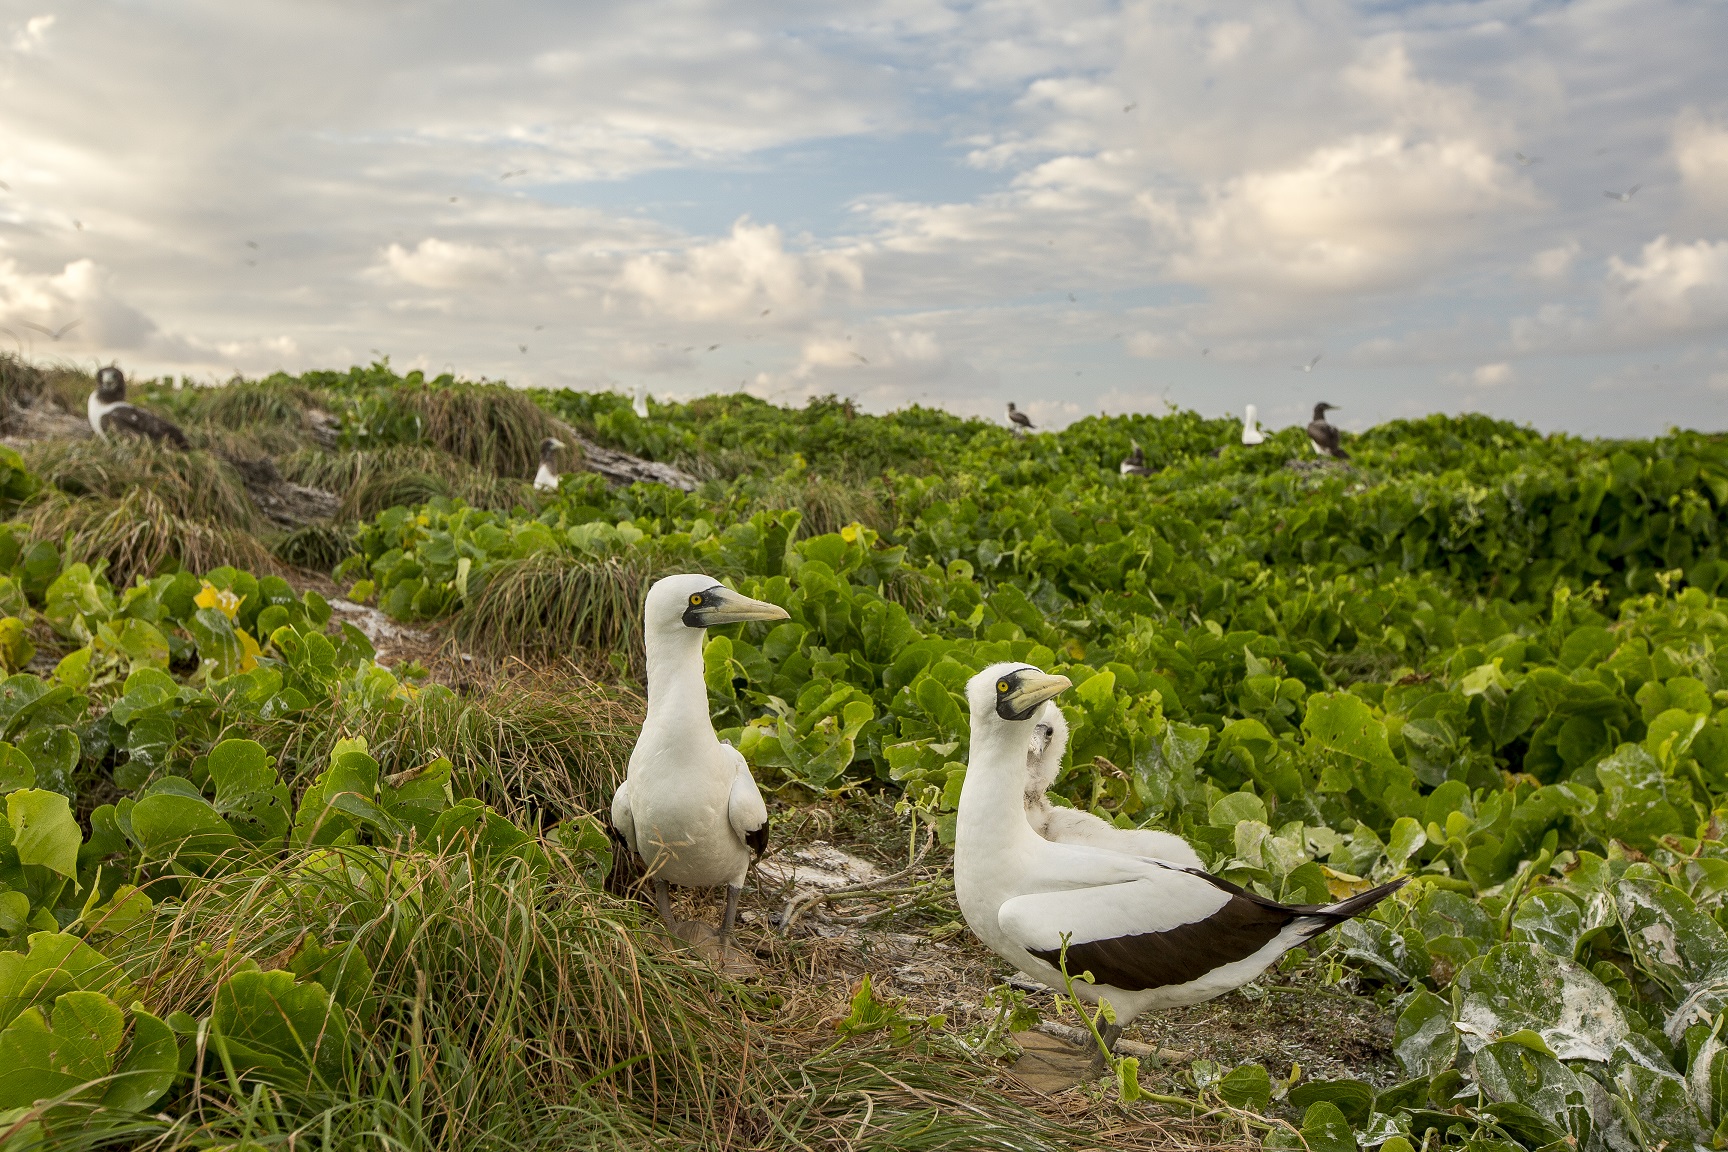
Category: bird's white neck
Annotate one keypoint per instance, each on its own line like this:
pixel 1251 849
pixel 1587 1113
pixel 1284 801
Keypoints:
pixel 993 798
pixel 545 478
pixel 677 694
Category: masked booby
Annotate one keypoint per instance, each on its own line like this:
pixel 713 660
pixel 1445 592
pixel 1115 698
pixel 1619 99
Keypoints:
pixel 1018 420
pixel 640 404
pixel 546 480
pixel 1251 434
pixel 1073 826
pixel 1323 436
pixel 1153 934
pixel 688 805
pixel 111 415
pixel 1135 464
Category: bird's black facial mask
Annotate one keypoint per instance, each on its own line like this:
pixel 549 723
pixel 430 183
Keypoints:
pixel 721 605
pixel 1020 692
pixel 110 385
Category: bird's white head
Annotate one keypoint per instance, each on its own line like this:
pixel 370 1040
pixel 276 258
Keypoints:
pixel 110 385
pixel 688 603
pixel 1003 698
pixel 548 447
pixel 1044 751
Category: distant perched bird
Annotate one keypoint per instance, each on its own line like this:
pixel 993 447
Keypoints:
pixel 1251 434
pixel 110 414
pixel 1626 196
pixel 1323 436
pixel 688 805
pixel 1309 367
pixel 546 480
pixel 1135 464
pixel 1073 826
pixel 640 404
pixel 1526 161
pixel 1017 419
pixel 1153 934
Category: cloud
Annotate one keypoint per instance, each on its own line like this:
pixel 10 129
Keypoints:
pixel 1701 152
pixel 29 39
pixel 1555 263
pixel 1671 289
pixel 82 291
pixel 1364 214
pixel 435 263
pixel 736 277
pixel 1492 375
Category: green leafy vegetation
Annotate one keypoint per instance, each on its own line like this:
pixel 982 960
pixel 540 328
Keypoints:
pixel 255 884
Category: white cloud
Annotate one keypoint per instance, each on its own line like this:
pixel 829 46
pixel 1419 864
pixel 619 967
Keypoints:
pixel 33 35
pixel 1701 151
pixel 1555 263
pixel 81 292
pixel 1492 375
pixel 435 263
pixel 1672 288
pixel 1363 214
pixel 736 278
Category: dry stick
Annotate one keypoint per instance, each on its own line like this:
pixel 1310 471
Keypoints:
pixel 796 906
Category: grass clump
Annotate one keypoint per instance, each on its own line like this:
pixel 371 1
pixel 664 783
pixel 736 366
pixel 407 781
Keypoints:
pixel 191 485
pixel 140 534
pixel 550 606
pixel 370 480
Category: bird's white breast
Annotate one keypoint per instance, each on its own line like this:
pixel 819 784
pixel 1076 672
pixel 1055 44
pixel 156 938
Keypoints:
pixel 98 408
pixel 545 479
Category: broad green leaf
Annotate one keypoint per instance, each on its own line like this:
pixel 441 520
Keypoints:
pixel 1424 1040
pixel 1324 1129
pixel 1516 986
pixel 39 1061
pixel 279 1031
pixel 1342 723
pixel 1514 1073
pixel 44 832
pixel 1247 1086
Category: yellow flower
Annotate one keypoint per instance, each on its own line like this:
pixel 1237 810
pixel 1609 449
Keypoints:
pixel 211 596
pixel 849 533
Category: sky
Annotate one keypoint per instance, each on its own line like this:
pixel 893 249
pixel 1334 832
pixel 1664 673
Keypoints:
pixel 1082 207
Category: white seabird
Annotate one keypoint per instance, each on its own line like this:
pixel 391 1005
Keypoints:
pixel 1153 934
pixel 546 480
pixel 688 805
pixel 1251 434
pixel 640 404
pixel 110 414
pixel 1074 826
pixel 1135 464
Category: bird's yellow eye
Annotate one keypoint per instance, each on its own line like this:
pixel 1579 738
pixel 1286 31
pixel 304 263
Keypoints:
pixel 695 599
pixel 1001 685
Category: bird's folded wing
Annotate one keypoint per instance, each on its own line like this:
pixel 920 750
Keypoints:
pixel 142 423
pixel 623 818
pixel 1163 930
pixel 744 807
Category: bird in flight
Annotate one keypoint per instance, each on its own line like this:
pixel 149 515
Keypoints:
pixel 1205 351
pixel 517 172
pixel 54 333
pixel 1308 367
pixel 765 311
pixel 253 244
pixel 77 223
pixel 5 187
pixel 523 347
pixel 861 359
pixel 711 347
pixel 1526 161
pixel 1130 107
pixel 452 199
pixel 1626 196
pixel 1071 299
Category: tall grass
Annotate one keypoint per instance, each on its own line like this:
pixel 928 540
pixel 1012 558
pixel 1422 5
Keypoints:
pixel 537 743
pixel 139 534
pixel 373 479
pixel 513 1007
pixel 191 485
pixel 550 606
pixel 491 427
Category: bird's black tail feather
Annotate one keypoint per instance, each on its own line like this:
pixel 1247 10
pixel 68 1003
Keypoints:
pixel 1355 905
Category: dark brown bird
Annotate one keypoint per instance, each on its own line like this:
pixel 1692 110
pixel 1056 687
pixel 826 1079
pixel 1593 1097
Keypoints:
pixel 1017 418
pixel 1323 436
pixel 111 415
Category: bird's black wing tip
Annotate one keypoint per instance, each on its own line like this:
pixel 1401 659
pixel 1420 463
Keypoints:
pixel 757 840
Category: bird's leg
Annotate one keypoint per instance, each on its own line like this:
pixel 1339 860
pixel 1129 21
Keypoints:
pixel 732 894
pixel 663 901
pixel 1109 1033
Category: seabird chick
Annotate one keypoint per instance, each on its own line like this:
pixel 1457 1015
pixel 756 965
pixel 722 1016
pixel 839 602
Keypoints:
pixel 1251 434
pixel 1152 934
pixel 1135 464
pixel 546 480
pixel 1073 826
pixel 110 414
pixel 688 805
pixel 1323 436
pixel 1018 419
